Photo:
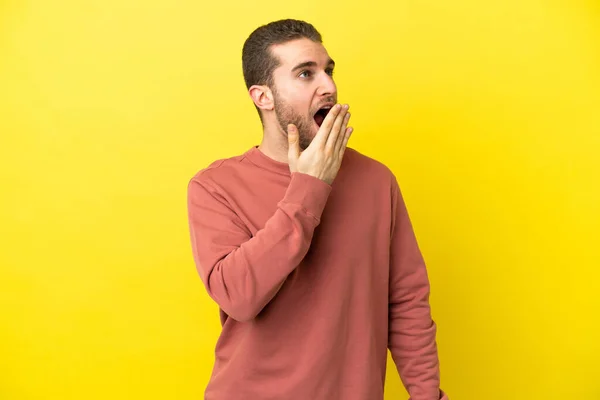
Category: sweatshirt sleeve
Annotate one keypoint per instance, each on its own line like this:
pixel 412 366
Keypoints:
pixel 412 332
pixel 242 272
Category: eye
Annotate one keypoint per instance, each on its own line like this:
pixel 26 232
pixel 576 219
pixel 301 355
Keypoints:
pixel 329 71
pixel 305 74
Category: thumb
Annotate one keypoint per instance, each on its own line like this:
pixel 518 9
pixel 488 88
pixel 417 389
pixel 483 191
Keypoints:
pixel 293 143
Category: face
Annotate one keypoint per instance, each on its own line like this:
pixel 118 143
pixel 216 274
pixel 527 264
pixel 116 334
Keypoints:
pixel 303 87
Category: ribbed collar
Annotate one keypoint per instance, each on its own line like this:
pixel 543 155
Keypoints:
pixel 260 159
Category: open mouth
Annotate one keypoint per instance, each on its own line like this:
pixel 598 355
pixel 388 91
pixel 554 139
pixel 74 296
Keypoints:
pixel 321 114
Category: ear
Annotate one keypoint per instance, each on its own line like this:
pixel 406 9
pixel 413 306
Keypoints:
pixel 262 96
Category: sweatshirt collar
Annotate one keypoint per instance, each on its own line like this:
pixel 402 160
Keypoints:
pixel 260 159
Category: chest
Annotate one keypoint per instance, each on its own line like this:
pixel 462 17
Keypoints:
pixel 351 242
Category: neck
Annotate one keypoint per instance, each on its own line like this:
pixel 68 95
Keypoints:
pixel 274 143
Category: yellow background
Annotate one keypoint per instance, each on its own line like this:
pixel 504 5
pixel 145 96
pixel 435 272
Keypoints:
pixel 486 111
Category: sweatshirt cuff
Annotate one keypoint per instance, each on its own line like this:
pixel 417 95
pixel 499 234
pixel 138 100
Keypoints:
pixel 308 192
pixel 442 396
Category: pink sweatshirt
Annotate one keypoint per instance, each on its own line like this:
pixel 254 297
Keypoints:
pixel 314 282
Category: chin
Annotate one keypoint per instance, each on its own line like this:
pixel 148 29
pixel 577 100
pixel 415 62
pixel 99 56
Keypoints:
pixel 307 137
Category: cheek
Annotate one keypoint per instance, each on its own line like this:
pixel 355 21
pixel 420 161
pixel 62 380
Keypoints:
pixel 298 98
pixel 300 103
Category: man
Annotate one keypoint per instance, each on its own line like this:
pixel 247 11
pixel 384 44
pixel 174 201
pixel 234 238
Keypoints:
pixel 307 247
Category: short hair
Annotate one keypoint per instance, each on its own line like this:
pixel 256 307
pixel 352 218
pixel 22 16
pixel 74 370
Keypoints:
pixel 258 61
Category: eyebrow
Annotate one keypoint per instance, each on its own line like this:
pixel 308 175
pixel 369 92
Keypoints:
pixel 306 64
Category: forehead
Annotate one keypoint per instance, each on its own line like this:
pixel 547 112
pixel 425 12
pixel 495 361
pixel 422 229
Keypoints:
pixel 299 51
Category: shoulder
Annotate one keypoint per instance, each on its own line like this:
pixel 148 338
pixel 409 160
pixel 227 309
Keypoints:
pixel 368 168
pixel 217 171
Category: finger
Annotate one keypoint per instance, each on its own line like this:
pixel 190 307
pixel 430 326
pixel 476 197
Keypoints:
pixel 347 135
pixel 293 143
pixel 335 129
pixel 323 132
pixel 342 135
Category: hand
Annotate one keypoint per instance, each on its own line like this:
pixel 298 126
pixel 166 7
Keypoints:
pixel 323 158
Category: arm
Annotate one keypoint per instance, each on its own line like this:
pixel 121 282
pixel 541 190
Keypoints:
pixel 243 273
pixel 411 337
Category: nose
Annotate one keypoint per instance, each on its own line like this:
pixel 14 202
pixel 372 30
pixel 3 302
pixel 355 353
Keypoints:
pixel 326 85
